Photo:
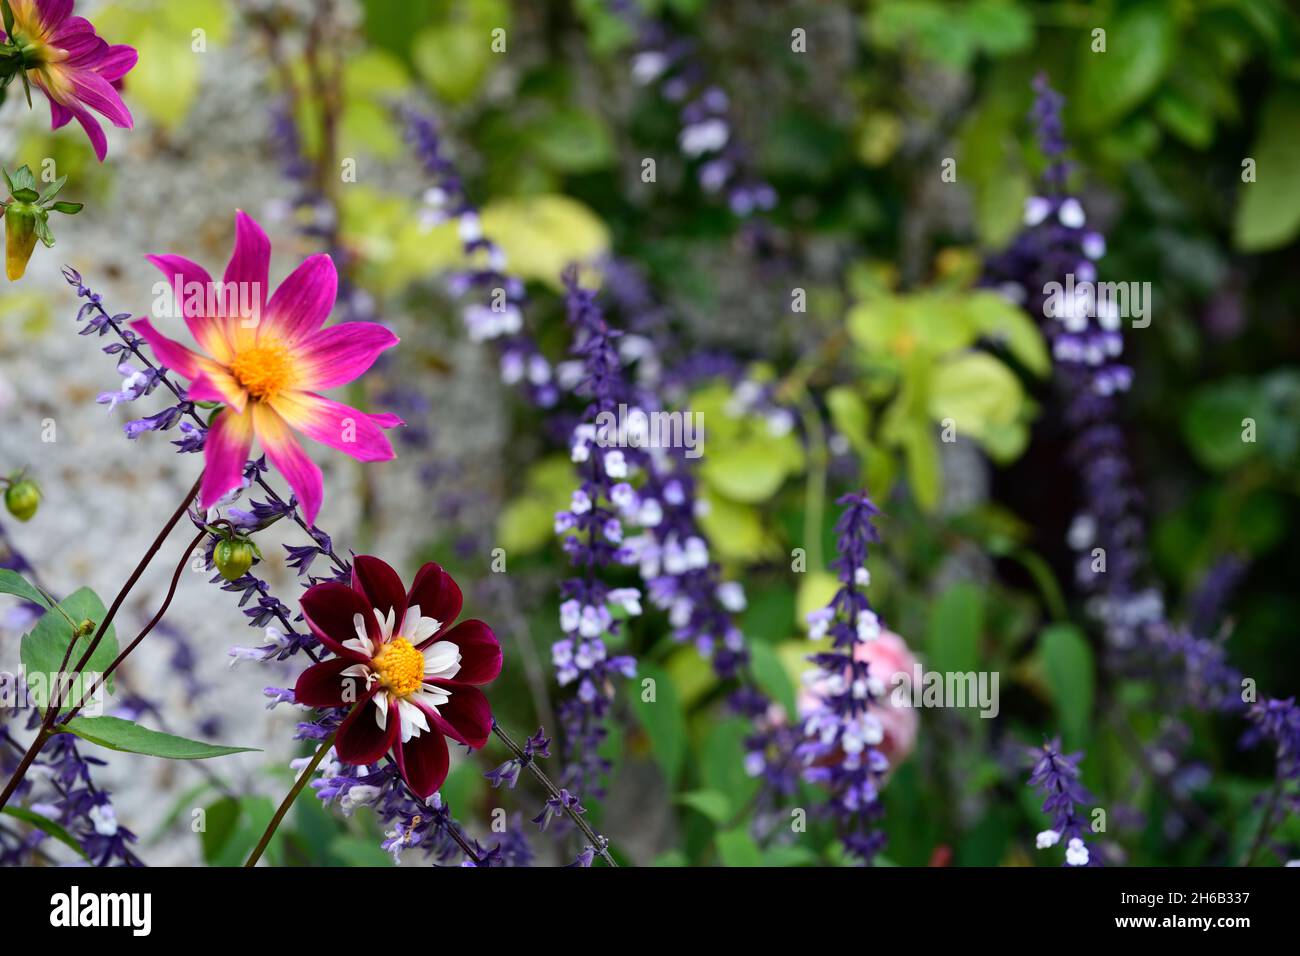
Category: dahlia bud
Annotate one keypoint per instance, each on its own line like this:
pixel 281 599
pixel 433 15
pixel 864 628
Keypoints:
pixel 22 498
pixel 20 238
pixel 234 555
pixel 27 218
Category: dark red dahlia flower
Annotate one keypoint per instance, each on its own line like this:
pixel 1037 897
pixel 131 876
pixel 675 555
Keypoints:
pixel 412 675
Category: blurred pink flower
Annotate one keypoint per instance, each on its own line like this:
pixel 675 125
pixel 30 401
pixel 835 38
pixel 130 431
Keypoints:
pixel 887 656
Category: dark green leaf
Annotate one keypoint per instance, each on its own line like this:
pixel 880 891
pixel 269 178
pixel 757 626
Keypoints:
pixel 48 826
pixel 42 650
pixel 11 582
pixel 662 719
pixel 1067 664
pixel 68 208
pixel 129 737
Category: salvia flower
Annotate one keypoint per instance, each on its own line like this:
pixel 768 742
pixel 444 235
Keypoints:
pixel 265 359
pixel 412 675
pixel 62 56
pixel 1056 777
pixel 843 735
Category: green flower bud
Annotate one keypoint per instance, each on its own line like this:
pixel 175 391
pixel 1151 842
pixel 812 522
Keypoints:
pixel 233 557
pixel 20 238
pixel 22 498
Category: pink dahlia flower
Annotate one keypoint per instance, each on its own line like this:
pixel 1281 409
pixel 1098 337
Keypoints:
pixel 72 66
pixel 265 359
pixel 411 676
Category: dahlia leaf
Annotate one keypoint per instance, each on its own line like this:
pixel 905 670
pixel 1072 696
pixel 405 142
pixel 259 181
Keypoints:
pixel 43 650
pixel 129 737
pixel 11 582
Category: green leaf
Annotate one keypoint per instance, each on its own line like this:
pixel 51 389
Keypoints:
pixel 48 826
pixel 770 675
pixel 129 737
pixel 53 189
pixel 748 473
pixel 220 820
pixel 11 582
pixel 1139 46
pixel 23 180
pixel 26 195
pixel 42 650
pixel 661 719
pixel 1067 665
pixel 996 318
pixel 710 803
pixel 1213 423
pixel 722 762
pixel 737 848
pixel 977 392
pixel 956 626
pixel 68 208
pixel 1268 213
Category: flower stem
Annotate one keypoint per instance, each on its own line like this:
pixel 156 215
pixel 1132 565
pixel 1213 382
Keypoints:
pixel 53 704
pixel 167 601
pixel 288 800
pixel 598 842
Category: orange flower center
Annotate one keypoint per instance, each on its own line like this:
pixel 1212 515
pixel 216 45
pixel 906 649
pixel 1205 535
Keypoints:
pixel 400 667
pixel 265 369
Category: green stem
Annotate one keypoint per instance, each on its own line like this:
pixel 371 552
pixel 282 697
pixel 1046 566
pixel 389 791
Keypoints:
pixel 288 800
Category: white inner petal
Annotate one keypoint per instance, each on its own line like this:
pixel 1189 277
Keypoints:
pixel 442 659
pixel 432 696
pixel 361 642
pixel 416 628
pixel 413 720
pixel 381 710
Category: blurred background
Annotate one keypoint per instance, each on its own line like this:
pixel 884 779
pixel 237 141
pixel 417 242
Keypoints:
pixel 803 264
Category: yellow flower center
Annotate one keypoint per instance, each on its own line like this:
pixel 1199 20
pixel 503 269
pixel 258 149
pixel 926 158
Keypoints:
pixel 265 369
pixel 400 667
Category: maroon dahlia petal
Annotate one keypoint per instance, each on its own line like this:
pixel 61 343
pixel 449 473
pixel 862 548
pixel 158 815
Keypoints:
pixel 360 739
pixel 321 685
pixel 422 762
pixel 437 595
pixel 330 609
pixel 467 717
pixel 480 652
pixel 380 584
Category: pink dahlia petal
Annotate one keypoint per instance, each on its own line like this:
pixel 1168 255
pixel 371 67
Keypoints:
pixel 338 355
pixel 466 717
pixel 423 761
pixel 215 384
pixel 360 740
pixel 224 454
pixel 117 62
pixel 437 595
pixel 171 353
pixel 480 651
pixel 380 584
pixel 304 299
pixel 321 685
pixel 60 115
pixel 191 286
pixel 336 425
pixel 302 474
pixel 97 93
pixel 387 420
pixel 250 264
pixel 330 609
pixel 49 13
pixel 95 132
